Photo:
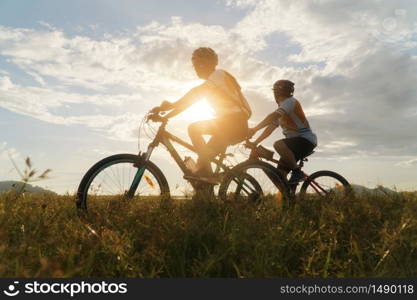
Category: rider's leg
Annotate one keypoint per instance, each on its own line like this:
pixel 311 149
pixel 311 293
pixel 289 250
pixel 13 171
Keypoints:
pixel 215 146
pixel 224 131
pixel 196 131
pixel 299 148
pixel 287 160
pixel 227 131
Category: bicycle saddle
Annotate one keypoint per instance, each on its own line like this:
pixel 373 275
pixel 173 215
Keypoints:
pixel 305 157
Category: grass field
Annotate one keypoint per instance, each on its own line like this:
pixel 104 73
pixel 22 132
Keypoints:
pixel 368 236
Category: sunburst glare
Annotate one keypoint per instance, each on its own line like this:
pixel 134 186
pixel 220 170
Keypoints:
pixel 199 111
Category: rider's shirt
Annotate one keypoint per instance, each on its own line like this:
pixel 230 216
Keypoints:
pixel 225 96
pixel 293 120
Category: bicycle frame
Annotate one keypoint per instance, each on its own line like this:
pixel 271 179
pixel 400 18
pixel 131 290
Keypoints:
pixel 164 137
pixel 317 187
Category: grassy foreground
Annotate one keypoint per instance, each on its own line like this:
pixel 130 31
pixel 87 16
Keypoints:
pixel 368 236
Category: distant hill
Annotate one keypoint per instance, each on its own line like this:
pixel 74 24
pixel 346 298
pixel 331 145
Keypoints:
pixel 379 190
pixel 16 185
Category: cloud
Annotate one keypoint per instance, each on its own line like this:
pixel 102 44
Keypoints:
pixel 8 155
pixel 151 64
pixel 40 102
pixel 365 93
pixel 152 57
pixel 7 152
pixel 346 58
pixel 407 163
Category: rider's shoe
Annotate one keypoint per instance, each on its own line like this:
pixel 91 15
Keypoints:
pixel 296 176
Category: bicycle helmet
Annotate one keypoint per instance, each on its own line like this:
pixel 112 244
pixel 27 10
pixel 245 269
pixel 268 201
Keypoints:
pixel 283 87
pixel 205 55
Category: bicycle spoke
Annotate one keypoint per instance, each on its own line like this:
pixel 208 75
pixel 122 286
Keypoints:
pixel 116 181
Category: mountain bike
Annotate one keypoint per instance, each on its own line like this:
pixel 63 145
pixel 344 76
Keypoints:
pixel 319 184
pixel 135 176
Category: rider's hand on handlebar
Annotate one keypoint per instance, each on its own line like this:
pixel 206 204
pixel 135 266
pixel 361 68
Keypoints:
pixel 157 118
pixel 166 105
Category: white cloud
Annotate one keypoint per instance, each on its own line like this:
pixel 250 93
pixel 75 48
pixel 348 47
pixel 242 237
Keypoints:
pixel 350 91
pixel 38 103
pixel 366 90
pixel 340 144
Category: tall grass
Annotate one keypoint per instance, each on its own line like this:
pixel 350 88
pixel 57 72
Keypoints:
pixel 44 236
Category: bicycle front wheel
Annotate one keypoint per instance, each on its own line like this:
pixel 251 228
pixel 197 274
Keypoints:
pixel 120 177
pixel 324 184
pixel 253 182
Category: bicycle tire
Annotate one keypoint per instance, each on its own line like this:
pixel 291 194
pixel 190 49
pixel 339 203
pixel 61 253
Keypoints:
pixel 337 184
pixel 84 192
pixel 254 197
pixel 275 180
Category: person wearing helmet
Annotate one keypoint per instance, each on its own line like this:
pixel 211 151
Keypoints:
pixel 299 138
pixel 232 110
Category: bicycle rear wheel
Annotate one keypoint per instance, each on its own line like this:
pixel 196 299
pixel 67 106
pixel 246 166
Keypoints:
pixel 119 177
pixel 253 182
pixel 324 184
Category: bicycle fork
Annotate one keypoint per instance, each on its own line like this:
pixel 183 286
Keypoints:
pixel 141 165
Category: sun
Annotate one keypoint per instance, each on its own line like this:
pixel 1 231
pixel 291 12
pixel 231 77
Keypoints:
pixel 198 111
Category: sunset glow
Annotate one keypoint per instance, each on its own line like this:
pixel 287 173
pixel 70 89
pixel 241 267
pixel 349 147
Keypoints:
pixel 199 111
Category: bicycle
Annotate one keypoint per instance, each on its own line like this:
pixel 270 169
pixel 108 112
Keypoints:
pixel 135 176
pixel 319 184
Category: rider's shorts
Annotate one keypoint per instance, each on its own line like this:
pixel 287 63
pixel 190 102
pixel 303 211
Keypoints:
pixel 232 128
pixel 299 146
pixel 225 131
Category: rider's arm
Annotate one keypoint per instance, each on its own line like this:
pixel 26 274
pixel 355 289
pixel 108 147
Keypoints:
pixel 267 121
pixel 187 100
pixel 267 132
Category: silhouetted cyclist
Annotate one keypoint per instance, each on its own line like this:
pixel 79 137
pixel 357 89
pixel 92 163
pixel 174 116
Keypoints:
pixel 299 138
pixel 232 112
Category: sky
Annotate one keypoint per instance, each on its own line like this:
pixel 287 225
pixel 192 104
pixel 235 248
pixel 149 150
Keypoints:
pixel 77 77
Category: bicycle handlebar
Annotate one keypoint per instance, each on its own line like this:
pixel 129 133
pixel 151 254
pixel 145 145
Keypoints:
pixel 155 116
